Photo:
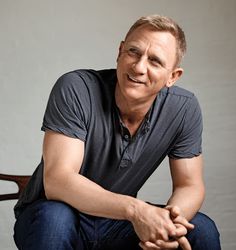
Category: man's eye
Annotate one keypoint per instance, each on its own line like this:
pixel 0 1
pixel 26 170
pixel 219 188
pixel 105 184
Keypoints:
pixel 154 61
pixel 133 52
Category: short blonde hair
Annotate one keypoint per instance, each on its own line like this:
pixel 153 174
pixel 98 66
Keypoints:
pixel 163 23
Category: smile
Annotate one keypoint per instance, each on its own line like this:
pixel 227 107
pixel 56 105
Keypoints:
pixel 134 79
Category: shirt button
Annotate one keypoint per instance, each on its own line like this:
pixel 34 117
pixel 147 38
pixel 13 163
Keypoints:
pixel 127 137
pixel 125 163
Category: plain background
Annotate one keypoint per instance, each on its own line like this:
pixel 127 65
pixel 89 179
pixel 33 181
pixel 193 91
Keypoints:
pixel 40 40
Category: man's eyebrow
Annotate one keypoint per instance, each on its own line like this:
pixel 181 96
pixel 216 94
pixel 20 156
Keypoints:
pixel 132 45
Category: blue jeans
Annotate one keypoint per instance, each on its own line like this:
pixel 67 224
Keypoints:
pixel 53 225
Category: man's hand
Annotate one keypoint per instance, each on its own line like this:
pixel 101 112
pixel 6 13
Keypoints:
pixel 152 223
pixel 177 218
pixel 170 244
pixel 182 225
pixel 173 242
pixel 177 241
pixel 159 245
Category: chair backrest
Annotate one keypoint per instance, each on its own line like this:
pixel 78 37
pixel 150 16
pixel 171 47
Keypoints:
pixel 20 180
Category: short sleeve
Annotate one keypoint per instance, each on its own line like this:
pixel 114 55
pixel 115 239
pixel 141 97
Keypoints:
pixel 189 141
pixel 66 112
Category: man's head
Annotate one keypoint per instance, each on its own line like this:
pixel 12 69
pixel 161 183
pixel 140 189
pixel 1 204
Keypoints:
pixel 162 23
pixel 149 58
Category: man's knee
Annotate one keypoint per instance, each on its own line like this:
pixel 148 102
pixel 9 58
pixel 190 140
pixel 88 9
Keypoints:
pixel 205 234
pixel 205 225
pixel 47 224
pixel 57 214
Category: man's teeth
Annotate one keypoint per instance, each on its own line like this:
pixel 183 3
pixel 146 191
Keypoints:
pixel 133 79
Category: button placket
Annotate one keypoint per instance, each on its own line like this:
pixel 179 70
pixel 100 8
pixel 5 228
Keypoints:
pixel 125 161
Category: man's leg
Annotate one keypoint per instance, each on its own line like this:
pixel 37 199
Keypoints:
pixel 108 234
pixel 52 225
pixel 47 225
pixel 205 235
pixel 119 234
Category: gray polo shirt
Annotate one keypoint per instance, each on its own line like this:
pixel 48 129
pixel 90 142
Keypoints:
pixel 82 105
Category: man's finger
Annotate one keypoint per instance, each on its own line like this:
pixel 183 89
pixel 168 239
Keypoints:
pixel 167 244
pixel 180 230
pixel 174 210
pixel 184 244
pixel 177 217
pixel 148 246
pixel 181 220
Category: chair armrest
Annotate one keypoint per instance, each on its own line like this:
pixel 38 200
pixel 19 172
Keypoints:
pixel 20 180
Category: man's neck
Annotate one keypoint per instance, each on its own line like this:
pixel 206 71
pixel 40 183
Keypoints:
pixel 132 113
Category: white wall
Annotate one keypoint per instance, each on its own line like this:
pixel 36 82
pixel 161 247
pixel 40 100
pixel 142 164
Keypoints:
pixel 40 40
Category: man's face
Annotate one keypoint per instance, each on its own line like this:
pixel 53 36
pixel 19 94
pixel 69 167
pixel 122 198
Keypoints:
pixel 146 64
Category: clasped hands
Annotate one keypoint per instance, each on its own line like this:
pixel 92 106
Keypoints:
pixel 162 228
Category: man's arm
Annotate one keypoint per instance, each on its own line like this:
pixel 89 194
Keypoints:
pixel 63 157
pixel 187 196
pixel 188 186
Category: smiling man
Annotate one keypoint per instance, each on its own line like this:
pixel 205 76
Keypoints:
pixel 106 132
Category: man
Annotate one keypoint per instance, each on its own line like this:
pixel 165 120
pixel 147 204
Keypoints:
pixel 105 133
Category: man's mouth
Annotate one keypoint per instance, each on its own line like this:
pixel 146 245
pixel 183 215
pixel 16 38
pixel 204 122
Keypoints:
pixel 133 79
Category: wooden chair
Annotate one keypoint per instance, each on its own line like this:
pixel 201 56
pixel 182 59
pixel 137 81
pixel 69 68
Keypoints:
pixel 20 180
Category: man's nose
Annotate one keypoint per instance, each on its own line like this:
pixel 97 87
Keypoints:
pixel 140 65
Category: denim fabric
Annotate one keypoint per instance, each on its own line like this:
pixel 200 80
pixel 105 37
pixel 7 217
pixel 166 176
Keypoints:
pixel 53 225
pixel 205 235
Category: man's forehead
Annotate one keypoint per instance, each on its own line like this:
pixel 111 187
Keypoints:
pixel 139 32
pixel 156 39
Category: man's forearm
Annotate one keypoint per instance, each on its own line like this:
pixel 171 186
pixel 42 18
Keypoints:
pixel 88 197
pixel 189 199
pixel 150 223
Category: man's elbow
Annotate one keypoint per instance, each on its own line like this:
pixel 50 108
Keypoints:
pixel 51 186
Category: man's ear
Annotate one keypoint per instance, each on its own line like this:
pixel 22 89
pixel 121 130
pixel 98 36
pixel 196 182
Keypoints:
pixel 120 50
pixel 175 75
